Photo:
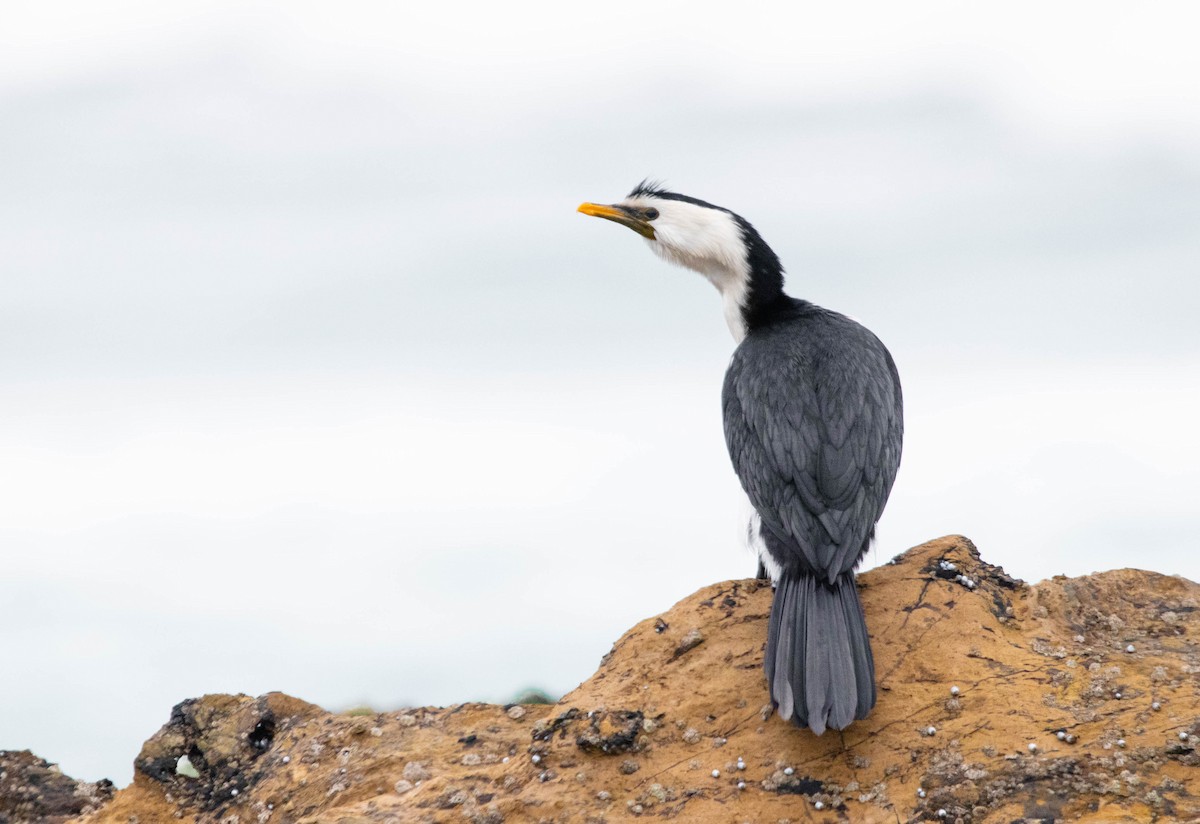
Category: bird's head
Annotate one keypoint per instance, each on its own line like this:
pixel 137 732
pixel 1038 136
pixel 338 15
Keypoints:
pixel 709 239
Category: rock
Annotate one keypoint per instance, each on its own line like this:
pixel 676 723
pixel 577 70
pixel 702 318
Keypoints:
pixel 32 789
pixel 1014 651
pixel 224 737
pixel 416 771
pixel 693 639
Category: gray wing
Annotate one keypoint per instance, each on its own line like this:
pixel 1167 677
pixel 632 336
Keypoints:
pixel 814 425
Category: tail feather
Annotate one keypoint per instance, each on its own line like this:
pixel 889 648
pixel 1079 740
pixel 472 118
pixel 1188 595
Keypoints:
pixel 818 663
pixel 785 684
pixel 860 650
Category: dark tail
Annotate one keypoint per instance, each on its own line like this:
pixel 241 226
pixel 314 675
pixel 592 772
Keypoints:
pixel 819 665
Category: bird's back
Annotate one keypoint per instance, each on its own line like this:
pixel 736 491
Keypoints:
pixel 814 425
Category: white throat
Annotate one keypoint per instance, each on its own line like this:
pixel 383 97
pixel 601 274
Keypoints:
pixel 708 241
pixel 732 282
pixel 734 299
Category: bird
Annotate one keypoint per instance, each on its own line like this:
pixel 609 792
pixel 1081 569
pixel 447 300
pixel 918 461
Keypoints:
pixel 814 424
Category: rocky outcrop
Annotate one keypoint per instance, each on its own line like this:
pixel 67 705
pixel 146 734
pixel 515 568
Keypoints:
pixel 33 789
pixel 1076 699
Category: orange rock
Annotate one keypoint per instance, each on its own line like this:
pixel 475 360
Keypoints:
pixel 659 730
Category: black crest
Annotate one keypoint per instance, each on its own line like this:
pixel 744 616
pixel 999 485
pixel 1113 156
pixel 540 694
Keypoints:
pixel 653 188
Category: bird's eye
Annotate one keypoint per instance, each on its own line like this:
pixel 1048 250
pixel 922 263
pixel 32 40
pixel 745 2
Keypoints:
pixel 651 213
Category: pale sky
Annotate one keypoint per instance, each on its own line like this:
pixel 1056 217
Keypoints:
pixel 314 381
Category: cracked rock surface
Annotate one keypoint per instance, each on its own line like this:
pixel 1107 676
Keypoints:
pixel 1075 700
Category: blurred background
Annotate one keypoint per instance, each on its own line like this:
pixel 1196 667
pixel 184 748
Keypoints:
pixel 312 379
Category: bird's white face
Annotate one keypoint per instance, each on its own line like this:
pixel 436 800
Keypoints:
pixel 704 239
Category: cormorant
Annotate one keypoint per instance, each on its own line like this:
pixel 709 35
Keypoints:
pixel 814 425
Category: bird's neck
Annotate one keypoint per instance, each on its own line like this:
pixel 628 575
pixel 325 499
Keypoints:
pixel 751 290
pixel 742 267
pixel 749 299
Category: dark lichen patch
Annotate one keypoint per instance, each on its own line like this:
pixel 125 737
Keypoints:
pixel 263 734
pixel 785 782
pixel 611 732
pixel 545 730
pixel 945 569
